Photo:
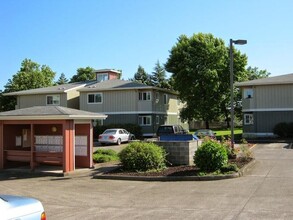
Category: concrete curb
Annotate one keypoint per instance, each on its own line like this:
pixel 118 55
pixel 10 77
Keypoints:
pixel 240 173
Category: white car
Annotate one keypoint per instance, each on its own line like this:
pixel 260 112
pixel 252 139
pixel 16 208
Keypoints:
pixel 115 136
pixel 21 208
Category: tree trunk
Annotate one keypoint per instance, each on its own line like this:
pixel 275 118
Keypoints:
pixel 227 119
pixel 207 124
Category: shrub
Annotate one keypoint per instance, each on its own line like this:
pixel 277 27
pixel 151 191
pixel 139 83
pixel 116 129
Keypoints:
pixel 210 156
pixel 290 129
pixel 230 167
pixel 105 155
pixel 143 156
pixel 281 129
pixel 226 143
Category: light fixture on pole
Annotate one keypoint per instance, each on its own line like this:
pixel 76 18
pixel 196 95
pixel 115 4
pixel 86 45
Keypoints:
pixel 239 42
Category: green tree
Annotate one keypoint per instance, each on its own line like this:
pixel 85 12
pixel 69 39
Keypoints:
pixel 158 77
pixel 62 79
pixel 239 74
pixel 141 76
pixel 200 65
pixel 30 76
pixel 83 74
pixel 255 73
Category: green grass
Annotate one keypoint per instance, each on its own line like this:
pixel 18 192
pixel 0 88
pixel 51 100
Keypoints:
pixel 105 155
pixel 227 133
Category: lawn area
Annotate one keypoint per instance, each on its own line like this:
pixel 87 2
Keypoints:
pixel 227 133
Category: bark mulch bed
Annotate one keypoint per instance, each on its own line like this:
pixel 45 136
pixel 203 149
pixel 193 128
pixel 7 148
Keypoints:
pixel 183 170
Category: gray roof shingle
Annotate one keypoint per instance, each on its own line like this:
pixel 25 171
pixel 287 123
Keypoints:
pixel 275 80
pixel 49 112
pixel 49 90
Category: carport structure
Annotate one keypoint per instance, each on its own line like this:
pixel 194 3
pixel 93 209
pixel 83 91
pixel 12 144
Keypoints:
pixel 52 135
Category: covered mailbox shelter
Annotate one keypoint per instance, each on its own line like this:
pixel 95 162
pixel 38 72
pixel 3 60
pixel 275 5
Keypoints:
pixel 47 135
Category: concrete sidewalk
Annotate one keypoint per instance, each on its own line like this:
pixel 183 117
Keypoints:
pixel 265 192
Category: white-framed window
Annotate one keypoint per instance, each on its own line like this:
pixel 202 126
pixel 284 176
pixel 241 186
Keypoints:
pixel 144 96
pixel 94 98
pixel 102 77
pixel 248 93
pixel 157 119
pixel 248 119
pixel 53 99
pixel 157 97
pixel 166 99
pixel 145 120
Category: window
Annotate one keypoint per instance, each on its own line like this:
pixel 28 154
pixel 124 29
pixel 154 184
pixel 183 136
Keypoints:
pixel 102 77
pixel 97 122
pixel 53 99
pixel 157 97
pixel 145 120
pixel 145 96
pixel 248 93
pixel 157 119
pixel 95 98
pixel 166 99
pixel 248 119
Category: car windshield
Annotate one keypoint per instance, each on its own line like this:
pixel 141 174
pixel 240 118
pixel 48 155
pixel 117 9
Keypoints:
pixel 165 129
pixel 111 131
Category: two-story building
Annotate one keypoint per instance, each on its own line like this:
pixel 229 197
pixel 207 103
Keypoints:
pixel 265 103
pixel 123 101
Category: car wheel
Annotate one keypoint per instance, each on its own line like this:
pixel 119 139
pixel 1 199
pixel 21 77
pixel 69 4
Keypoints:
pixel 118 141
pixel 132 138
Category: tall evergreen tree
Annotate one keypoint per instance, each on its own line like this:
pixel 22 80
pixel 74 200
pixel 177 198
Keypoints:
pixel 141 76
pixel 158 77
pixel 62 79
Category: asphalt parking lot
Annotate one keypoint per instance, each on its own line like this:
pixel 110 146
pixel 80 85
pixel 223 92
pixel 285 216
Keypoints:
pixel 265 192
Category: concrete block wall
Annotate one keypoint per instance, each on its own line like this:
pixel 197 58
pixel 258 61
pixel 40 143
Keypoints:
pixel 180 152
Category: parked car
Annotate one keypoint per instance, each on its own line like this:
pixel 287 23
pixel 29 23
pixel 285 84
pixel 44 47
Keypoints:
pixel 170 129
pixel 201 133
pixel 115 136
pixel 18 207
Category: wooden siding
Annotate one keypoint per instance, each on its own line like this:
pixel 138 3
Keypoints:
pixel 127 101
pixel 270 97
pixel 264 122
pixel 121 119
pixel 73 99
pixel 113 101
pixel 27 101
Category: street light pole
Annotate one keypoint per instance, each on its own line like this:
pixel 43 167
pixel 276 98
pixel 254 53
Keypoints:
pixel 239 42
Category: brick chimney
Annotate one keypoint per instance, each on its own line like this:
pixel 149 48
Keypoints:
pixel 107 74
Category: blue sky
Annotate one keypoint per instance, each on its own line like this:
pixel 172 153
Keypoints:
pixel 122 34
